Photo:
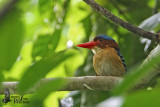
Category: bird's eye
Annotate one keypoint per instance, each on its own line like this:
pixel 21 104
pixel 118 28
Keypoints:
pixel 100 40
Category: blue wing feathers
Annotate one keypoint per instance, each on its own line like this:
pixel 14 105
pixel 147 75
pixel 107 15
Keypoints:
pixel 122 59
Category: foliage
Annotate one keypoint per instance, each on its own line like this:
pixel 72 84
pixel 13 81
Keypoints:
pixel 38 38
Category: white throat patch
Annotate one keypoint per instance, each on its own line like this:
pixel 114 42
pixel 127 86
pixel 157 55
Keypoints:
pixel 96 49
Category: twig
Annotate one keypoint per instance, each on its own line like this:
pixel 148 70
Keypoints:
pixel 7 8
pixel 73 83
pixel 124 24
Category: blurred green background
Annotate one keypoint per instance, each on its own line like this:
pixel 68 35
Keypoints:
pixel 38 39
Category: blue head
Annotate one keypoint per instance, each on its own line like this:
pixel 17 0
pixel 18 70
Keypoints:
pixel 104 41
pixel 105 37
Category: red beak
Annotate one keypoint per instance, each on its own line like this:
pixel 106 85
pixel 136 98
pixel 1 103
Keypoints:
pixel 89 45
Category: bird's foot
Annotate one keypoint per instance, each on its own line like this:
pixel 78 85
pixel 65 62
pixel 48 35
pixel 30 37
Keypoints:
pixel 97 75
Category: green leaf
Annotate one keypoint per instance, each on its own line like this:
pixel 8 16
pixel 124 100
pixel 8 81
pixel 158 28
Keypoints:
pixel 39 69
pixel 1 77
pixel 134 76
pixel 46 43
pixel 40 46
pixel 44 6
pixel 66 8
pixel 87 24
pixel 143 99
pixel 54 40
pixel 38 99
pixel 94 97
pixel 11 36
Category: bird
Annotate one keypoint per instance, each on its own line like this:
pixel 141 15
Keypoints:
pixel 7 96
pixel 107 59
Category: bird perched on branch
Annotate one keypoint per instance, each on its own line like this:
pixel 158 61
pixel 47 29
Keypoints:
pixel 107 60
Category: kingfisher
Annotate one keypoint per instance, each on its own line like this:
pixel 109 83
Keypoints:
pixel 107 59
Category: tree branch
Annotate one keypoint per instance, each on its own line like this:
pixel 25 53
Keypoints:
pixel 88 82
pixel 73 83
pixel 154 71
pixel 124 24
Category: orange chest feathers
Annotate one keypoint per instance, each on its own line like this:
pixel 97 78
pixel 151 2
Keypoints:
pixel 107 63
